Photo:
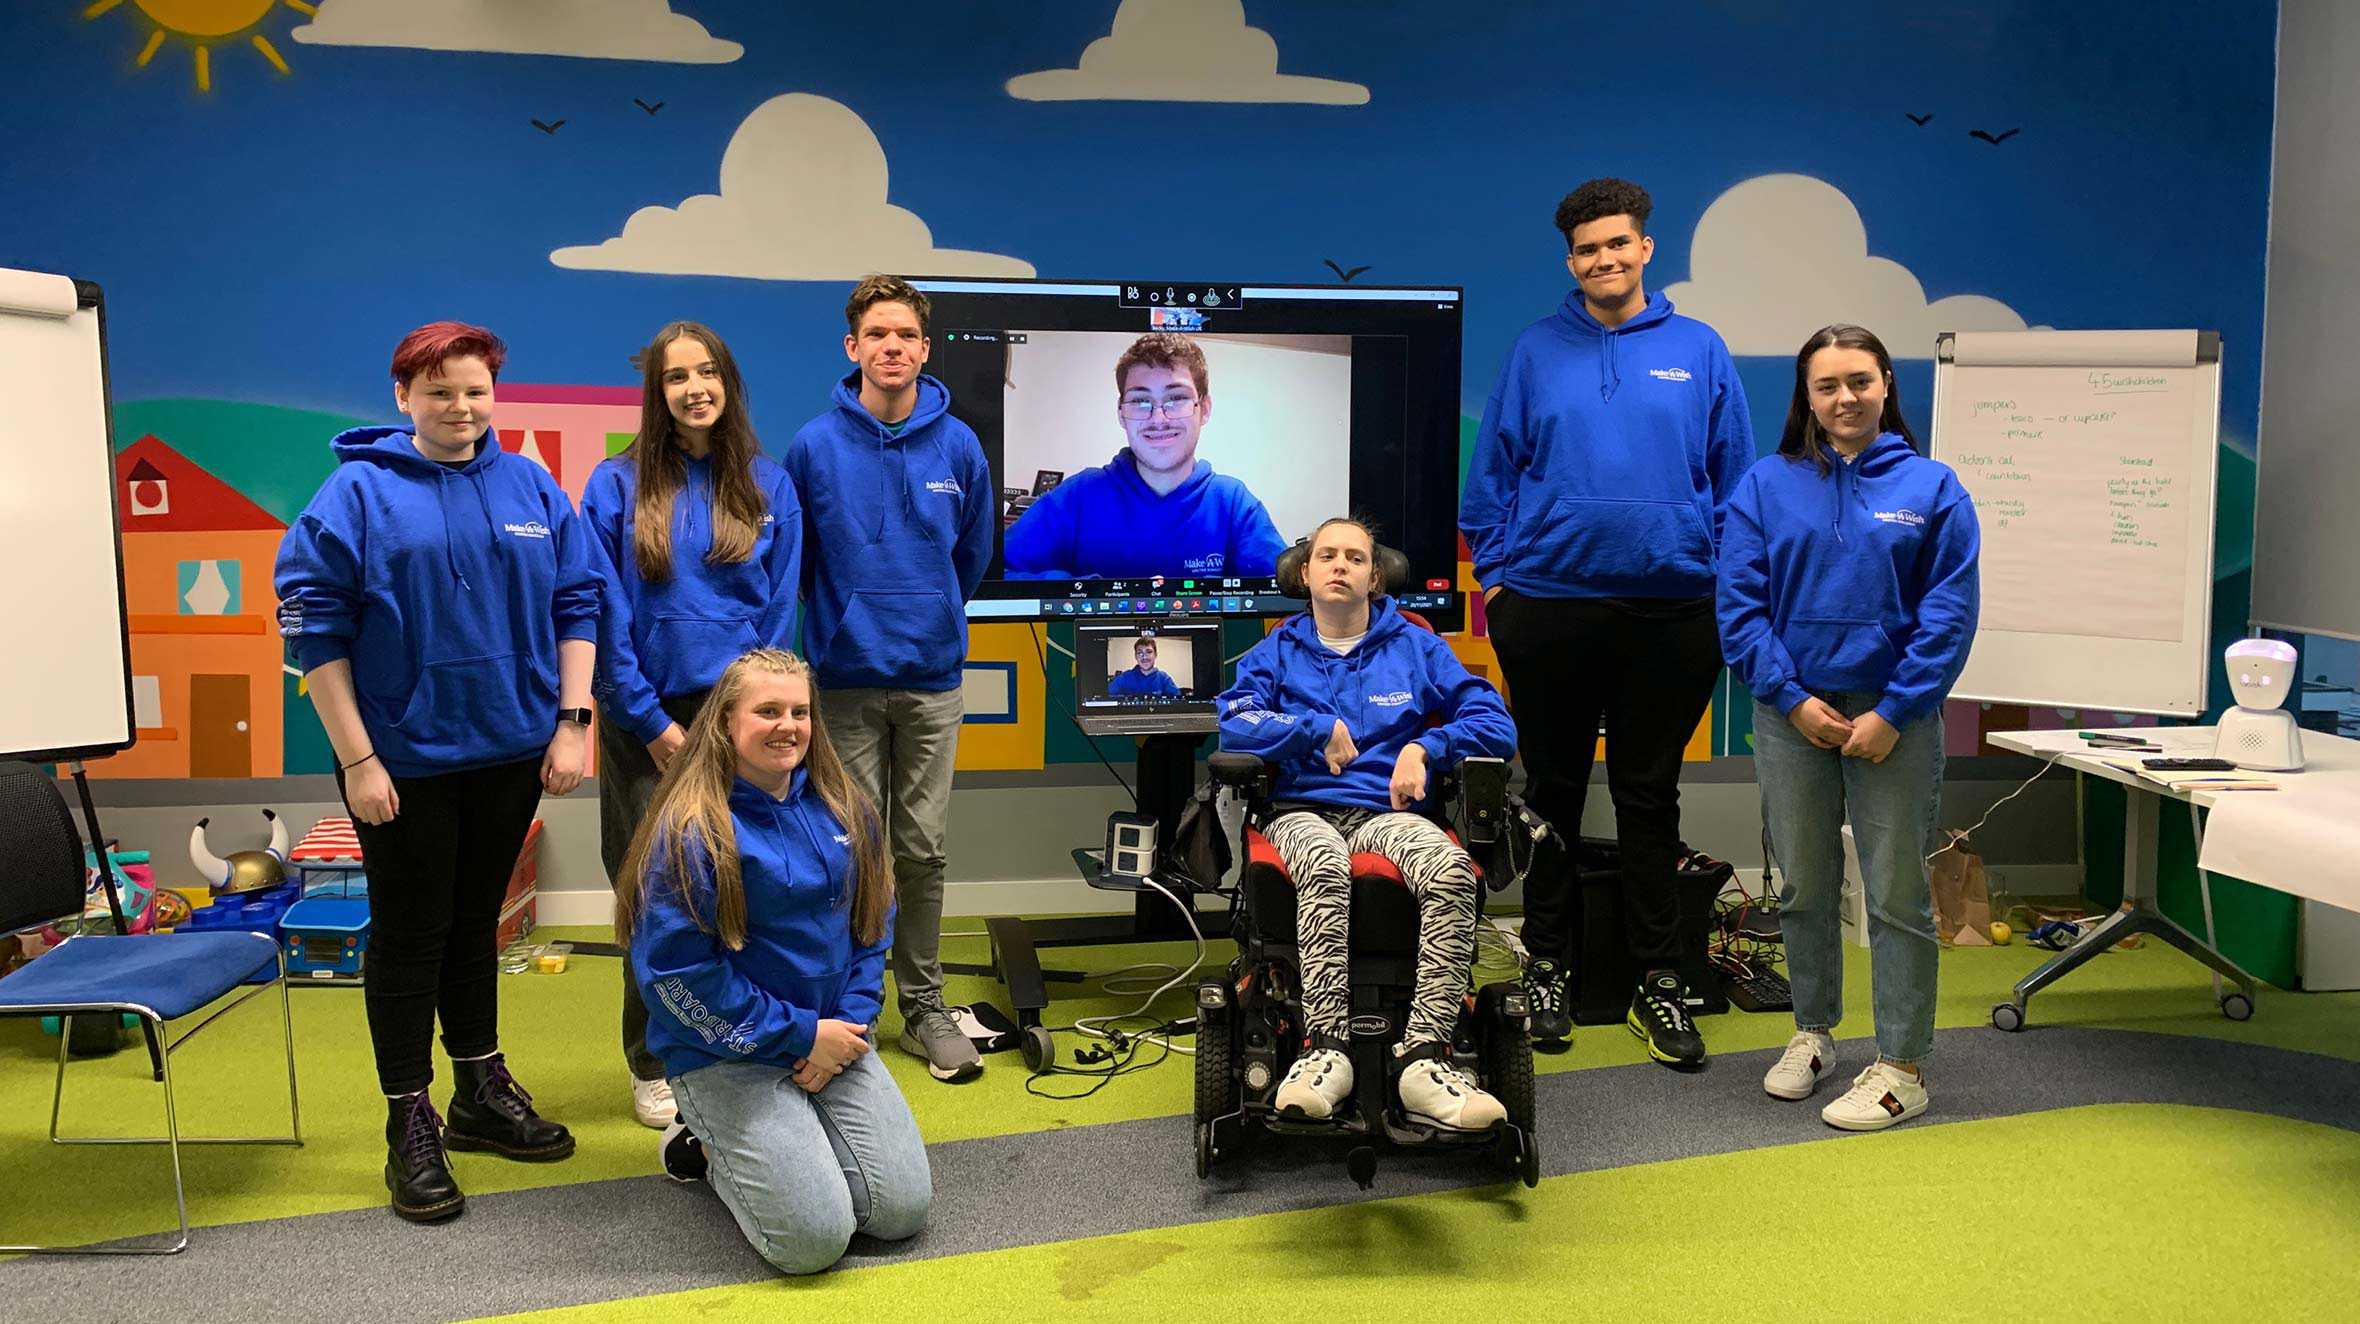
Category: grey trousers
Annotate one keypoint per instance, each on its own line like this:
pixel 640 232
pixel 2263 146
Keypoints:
pixel 899 745
pixel 627 781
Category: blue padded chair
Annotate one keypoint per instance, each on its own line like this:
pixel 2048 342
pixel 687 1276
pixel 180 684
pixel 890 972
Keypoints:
pixel 159 977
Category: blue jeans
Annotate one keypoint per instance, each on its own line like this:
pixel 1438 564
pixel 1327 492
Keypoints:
pixel 1807 795
pixel 802 1172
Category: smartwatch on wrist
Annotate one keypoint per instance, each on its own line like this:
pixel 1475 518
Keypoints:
pixel 578 716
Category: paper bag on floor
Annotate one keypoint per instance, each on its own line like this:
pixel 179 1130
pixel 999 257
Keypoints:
pixel 1962 897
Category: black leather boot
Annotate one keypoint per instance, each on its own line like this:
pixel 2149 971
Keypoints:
pixel 416 1169
pixel 489 1110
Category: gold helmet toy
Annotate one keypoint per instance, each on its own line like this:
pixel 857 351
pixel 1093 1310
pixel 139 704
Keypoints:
pixel 243 871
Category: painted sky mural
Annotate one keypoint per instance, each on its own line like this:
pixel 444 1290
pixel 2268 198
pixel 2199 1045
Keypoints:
pixel 272 191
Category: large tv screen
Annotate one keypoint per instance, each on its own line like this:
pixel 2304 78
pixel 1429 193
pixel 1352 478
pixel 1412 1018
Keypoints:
pixel 1156 445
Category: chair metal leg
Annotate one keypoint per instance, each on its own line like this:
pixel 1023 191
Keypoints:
pixel 172 1139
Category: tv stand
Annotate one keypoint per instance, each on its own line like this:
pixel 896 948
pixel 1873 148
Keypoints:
pixel 1166 774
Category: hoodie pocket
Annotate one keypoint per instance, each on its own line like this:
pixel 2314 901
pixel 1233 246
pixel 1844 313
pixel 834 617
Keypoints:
pixel 478 707
pixel 899 635
pixel 1628 542
pixel 687 653
pixel 1840 654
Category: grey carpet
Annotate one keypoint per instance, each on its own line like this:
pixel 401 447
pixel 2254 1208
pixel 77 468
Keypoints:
pixel 608 1240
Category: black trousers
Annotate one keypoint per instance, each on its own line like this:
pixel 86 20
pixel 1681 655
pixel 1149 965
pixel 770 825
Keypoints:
pixel 1647 670
pixel 438 873
pixel 627 780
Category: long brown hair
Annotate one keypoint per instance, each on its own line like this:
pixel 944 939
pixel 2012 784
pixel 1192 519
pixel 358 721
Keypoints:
pixel 693 802
pixel 1803 438
pixel 660 461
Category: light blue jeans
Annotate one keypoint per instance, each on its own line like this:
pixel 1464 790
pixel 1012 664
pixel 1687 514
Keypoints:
pixel 803 1172
pixel 1808 794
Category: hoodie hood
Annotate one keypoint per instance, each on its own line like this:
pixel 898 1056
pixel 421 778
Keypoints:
pixel 396 451
pixel 1575 314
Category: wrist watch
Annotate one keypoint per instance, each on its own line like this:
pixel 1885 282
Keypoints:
pixel 578 716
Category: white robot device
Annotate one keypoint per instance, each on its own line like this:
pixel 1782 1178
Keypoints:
pixel 2260 734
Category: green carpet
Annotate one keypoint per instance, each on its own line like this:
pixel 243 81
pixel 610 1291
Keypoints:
pixel 1958 1188
pixel 2236 1216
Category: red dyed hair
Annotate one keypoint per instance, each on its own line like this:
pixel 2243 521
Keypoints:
pixel 426 349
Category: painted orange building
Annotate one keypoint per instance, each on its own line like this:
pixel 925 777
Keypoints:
pixel 205 648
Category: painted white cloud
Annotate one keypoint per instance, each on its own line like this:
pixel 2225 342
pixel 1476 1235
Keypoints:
pixel 593 29
pixel 1182 50
pixel 802 198
pixel 1780 256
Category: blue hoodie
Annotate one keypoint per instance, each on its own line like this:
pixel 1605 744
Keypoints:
pixel 449 588
pixel 1291 690
pixel 1130 682
pixel 801 963
pixel 1107 523
pixel 1862 579
pixel 897 531
pixel 662 640
pixel 1605 456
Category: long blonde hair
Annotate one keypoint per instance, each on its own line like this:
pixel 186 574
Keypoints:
pixel 693 802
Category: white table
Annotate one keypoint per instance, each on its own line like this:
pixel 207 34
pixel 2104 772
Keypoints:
pixel 2295 840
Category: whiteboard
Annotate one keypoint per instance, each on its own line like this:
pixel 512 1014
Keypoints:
pixel 65 672
pixel 2090 458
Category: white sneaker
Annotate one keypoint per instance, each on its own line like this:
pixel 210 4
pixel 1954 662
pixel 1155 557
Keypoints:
pixel 1316 1085
pixel 651 1102
pixel 1879 1097
pixel 1435 1091
pixel 1809 1059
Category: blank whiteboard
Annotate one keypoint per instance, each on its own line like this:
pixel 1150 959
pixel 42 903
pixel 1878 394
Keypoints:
pixel 65 672
pixel 2089 455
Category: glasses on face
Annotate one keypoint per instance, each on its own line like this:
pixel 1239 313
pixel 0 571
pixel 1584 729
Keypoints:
pixel 1139 411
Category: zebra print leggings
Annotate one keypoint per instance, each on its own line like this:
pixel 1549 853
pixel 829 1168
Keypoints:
pixel 1317 847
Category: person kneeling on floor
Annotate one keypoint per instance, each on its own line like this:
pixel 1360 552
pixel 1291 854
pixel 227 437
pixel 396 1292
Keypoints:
pixel 1337 701
pixel 756 901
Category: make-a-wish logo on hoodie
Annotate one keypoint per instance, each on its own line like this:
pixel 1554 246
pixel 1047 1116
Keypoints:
pixel 1909 517
pixel 843 838
pixel 1393 700
pixel 946 486
pixel 1209 564
pixel 528 529
pixel 1669 374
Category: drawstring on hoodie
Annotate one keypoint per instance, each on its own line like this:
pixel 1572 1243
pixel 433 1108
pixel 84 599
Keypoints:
pixel 1609 371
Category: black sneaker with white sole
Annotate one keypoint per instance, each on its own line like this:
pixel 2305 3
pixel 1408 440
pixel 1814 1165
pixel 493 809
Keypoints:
pixel 1659 1015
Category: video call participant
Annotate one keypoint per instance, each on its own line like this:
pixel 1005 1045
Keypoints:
pixel 1155 508
pixel 1338 701
pixel 441 598
pixel 1593 507
pixel 700 539
pixel 754 903
pixel 898 509
pixel 1848 600
pixel 1144 677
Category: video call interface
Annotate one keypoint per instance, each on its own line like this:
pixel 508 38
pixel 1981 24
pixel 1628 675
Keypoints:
pixel 1163 670
pixel 1241 417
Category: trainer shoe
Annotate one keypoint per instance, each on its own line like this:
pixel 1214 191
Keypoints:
pixel 651 1102
pixel 1544 990
pixel 1659 1015
pixel 1435 1091
pixel 682 1154
pixel 1880 1096
pixel 1809 1059
pixel 1316 1085
pixel 932 1036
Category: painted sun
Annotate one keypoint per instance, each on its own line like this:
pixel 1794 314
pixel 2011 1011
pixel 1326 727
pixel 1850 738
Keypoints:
pixel 203 24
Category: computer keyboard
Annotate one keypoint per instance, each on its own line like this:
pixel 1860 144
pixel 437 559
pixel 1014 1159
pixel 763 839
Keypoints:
pixel 1760 990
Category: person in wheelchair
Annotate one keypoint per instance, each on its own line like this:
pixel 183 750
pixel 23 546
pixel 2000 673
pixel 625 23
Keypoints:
pixel 1355 709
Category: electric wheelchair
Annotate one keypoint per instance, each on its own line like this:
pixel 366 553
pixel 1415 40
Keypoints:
pixel 1250 1025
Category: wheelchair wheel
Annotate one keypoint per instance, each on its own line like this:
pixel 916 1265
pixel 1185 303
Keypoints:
pixel 1216 1068
pixel 1506 1052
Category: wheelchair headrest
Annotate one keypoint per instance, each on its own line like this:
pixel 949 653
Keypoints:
pixel 1392 570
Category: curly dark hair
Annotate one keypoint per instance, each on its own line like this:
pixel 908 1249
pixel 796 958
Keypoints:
pixel 1599 198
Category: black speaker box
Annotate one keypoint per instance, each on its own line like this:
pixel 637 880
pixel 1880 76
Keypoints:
pixel 1604 975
